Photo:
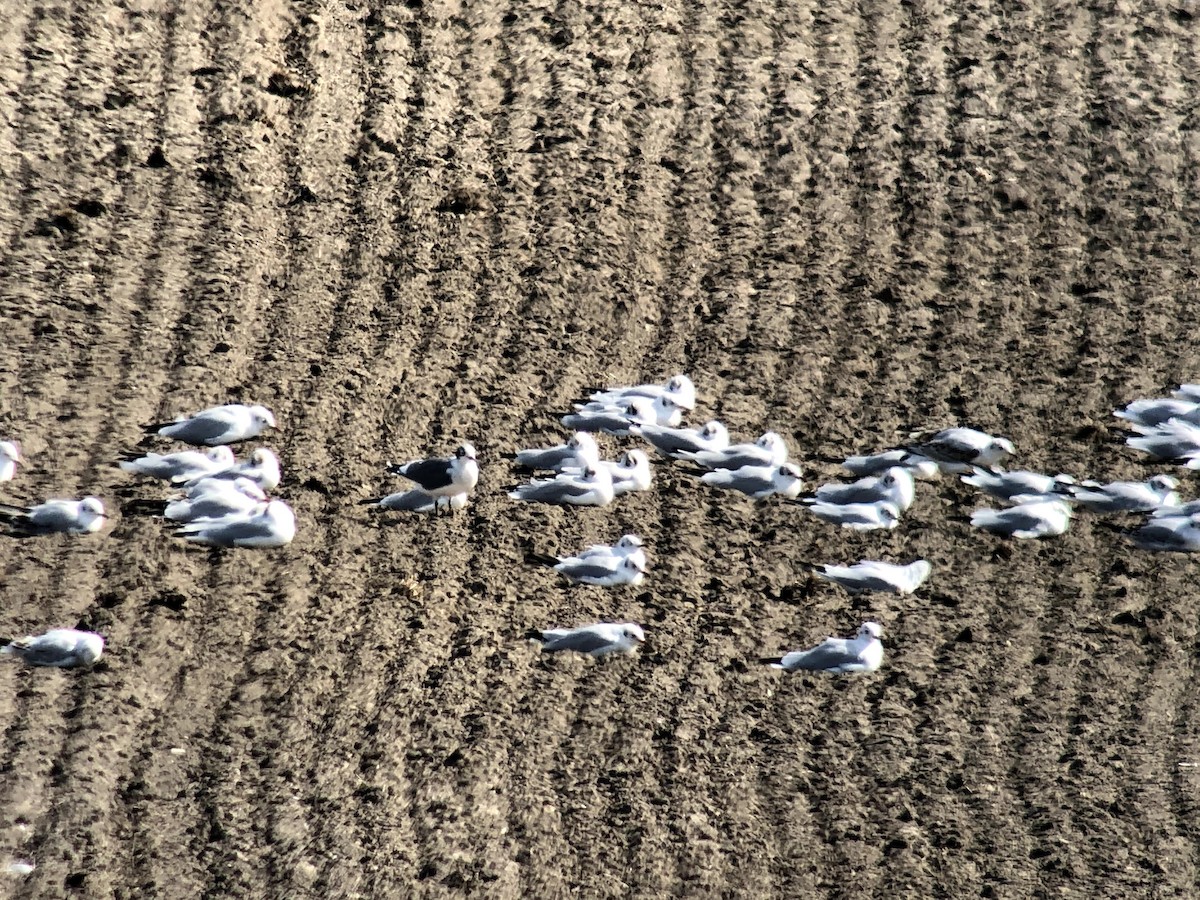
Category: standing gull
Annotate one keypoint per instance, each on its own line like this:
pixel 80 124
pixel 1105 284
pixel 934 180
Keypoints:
pixel 837 656
pixel 442 477
pixel 217 425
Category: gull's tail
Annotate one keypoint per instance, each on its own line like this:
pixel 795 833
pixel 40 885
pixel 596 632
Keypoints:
pixel 535 634
pixel 775 662
pixel 541 559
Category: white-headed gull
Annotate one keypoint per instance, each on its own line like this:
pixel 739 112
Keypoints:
pixel 580 451
pixel 878 463
pixel 1172 440
pixel 630 472
pixel 956 450
pixel 758 482
pixel 56 516
pixel 1127 496
pixel 186 465
pixel 212 498
pixel 262 468
pixel 60 647
pixel 440 477
pixel 600 571
pixel 10 456
pixel 274 526
pixel 1168 534
pixel 1006 485
pixel 895 486
pixel 678 388
pixel 592 487
pixel 1033 517
pixel 1154 412
pixel 217 425
pixel 858 516
pixel 837 656
pixel 874 575
pixel 418 501
pixel 595 640
pixel 769 450
pixel 671 442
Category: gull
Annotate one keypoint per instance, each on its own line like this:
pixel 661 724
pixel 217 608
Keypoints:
pixel 1127 496
pixel 1154 412
pixel 1181 511
pixel 438 477
pixel 59 647
pixel 598 571
pixel 274 526
pixel 592 487
pixel 837 656
pixel 595 640
pixel 1006 485
pixel 858 516
pixel 217 425
pixel 56 516
pixel 186 465
pixel 768 450
pixel 262 468
pixel 10 455
pixel 629 545
pixel 212 498
pixel 1034 516
pixel 758 482
pixel 873 575
pixel 674 441
pixel 631 472
pixel 666 412
pixel 678 388
pixel 1172 440
pixel 895 485
pixel 612 420
pixel 878 463
pixel 1177 534
pixel 580 451
pixel 419 501
pixel 956 450
pixel 1187 392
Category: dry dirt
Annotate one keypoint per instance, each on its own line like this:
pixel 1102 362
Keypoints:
pixel 401 226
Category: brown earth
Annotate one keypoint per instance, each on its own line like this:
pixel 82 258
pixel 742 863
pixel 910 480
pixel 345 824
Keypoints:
pixel 406 225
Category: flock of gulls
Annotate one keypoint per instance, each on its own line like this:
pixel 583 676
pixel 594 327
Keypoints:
pixel 224 502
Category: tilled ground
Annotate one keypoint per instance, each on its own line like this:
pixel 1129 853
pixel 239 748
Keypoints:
pixel 403 226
